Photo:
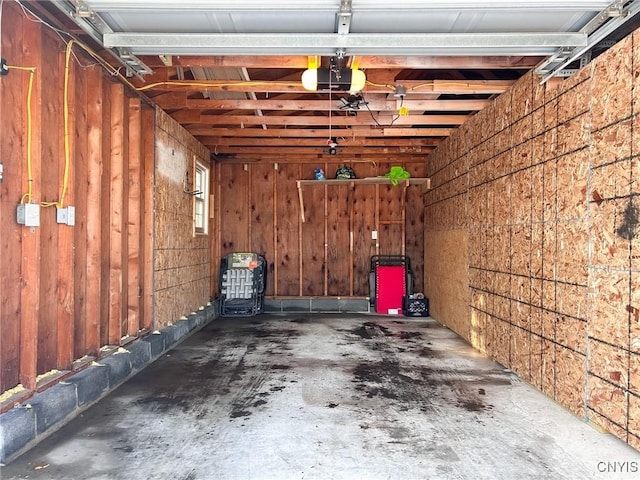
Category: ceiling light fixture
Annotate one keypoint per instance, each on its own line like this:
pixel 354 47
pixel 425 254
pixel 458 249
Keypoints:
pixel 344 79
pixel 333 78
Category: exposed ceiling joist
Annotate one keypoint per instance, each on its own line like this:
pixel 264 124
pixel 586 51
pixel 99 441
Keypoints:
pixel 363 118
pixel 455 87
pixel 175 102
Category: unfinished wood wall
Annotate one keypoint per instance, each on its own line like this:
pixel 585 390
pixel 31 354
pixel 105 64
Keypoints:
pixel 329 254
pixel 182 263
pixel 69 291
pixel 544 185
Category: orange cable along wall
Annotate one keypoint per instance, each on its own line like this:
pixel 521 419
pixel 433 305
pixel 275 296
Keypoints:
pixel 66 290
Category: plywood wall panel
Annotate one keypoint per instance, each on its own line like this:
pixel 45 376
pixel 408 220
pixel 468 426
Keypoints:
pixel 520 290
pixel 182 260
pixel 572 252
pixel 549 251
pixel 548 380
pixel 634 380
pixel 536 361
pixel 612 80
pixel 572 185
pixel 608 247
pixel 548 301
pixel 521 197
pixel 570 379
pixel 610 181
pixel 502 200
pixel 571 299
pixel 522 97
pixel 634 422
pixel 575 101
pixel 520 347
pixel 521 315
pixel 607 406
pixel 608 300
pixel 634 317
pixel 571 333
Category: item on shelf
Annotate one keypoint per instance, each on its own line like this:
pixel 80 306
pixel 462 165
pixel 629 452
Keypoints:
pixel 319 174
pixel 345 173
pixel 396 173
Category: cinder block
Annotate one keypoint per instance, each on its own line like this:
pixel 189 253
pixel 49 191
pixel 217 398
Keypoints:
pixel 53 405
pixel 296 305
pixel 194 321
pixel 140 353
pixel 182 329
pixel 119 365
pixel 17 429
pixel 212 312
pixel 90 383
pixel 169 334
pixel 156 340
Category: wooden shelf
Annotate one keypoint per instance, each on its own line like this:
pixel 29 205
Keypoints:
pixel 404 183
pixel 366 181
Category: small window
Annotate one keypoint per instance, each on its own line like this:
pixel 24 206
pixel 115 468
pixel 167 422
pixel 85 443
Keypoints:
pixel 200 196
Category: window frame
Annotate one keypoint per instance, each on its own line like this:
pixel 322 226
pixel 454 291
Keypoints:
pixel 201 173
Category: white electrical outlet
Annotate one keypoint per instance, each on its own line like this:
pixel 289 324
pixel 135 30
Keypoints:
pixel 66 215
pixel 28 214
pixel 374 234
pixel 71 216
pixel 61 215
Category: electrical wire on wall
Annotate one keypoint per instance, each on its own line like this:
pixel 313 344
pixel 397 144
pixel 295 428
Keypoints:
pixel 28 196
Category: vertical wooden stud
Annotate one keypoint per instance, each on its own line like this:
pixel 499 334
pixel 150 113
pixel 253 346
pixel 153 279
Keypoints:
pixel 94 210
pixel 116 216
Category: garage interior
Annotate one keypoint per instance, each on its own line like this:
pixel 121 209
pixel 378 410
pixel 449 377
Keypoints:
pixel 148 141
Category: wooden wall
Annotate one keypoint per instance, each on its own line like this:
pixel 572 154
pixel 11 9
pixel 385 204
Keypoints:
pixel 543 186
pixel 182 269
pixel 328 254
pixel 69 293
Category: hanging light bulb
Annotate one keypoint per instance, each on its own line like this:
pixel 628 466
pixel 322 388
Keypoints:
pixel 344 79
pixel 310 79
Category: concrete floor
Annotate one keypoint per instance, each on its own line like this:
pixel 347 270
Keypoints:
pixel 326 397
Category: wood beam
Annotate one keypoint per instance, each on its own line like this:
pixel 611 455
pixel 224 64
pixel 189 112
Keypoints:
pixel 315 157
pixel 317 105
pixel 455 87
pixel 285 151
pixel 211 134
pixel 194 117
pixel 312 142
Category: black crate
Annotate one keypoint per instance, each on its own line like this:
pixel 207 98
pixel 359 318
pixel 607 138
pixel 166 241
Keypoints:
pixel 415 307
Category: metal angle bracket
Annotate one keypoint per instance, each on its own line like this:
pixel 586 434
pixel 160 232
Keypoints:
pixel 602 25
pixel 95 26
pixel 343 17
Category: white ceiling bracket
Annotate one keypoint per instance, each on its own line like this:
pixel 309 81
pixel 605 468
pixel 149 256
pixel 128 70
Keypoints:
pixel 94 26
pixel 600 27
pixel 343 17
